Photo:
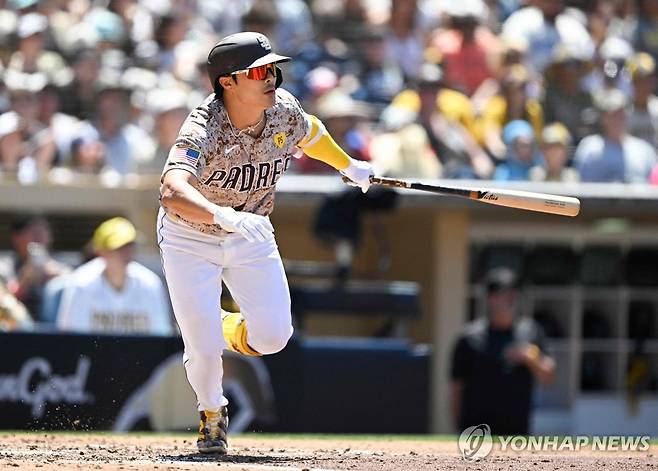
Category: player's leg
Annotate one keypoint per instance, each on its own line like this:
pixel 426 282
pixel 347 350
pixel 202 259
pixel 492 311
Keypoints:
pixel 194 288
pixel 255 276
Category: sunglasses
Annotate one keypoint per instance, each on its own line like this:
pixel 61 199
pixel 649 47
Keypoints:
pixel 258 73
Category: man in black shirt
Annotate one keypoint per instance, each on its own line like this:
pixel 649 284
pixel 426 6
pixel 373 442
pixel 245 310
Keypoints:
pixel 495 362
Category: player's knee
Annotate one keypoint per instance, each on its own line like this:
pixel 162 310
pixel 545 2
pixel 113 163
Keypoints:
pixel 272 341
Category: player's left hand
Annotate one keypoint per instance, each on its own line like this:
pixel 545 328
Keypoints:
pixel 359 172
pixel 253 227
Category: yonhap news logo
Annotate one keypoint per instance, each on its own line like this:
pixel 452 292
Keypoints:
pixel 476 443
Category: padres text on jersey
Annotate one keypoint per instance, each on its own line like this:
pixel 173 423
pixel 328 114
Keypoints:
pixel 234 169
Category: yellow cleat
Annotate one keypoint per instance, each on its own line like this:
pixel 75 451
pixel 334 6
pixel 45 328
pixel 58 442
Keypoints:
pixel 213 430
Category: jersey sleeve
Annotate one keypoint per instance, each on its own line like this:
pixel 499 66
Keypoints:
pixel 299 120
pixel 310 136
pixel 192 144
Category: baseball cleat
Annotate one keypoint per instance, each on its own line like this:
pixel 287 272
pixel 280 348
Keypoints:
pixel 213 429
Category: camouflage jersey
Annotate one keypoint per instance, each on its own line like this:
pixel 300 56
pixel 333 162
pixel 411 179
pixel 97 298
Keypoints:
pixel 234 169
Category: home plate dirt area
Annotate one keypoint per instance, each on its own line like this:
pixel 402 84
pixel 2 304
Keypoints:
pixel 83 450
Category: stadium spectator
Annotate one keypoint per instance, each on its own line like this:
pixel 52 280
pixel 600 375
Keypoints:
pixel 521 155
pixel 380 77
pixel 643 113
pixel 169 109
pixel 27 148
pixel 449 120
pixel 340 20
pixel 370 50
pixel 169 34
pixel 344 118
pixel 403 149
pixel 647 27
pixel 12 128
pixel 556 142
pixel 404 152
pixel 510 53
pixel 125 143
pixel 113 293
pixel 78 96
pixel 262 17
pixel 136 19
pixel 31 265
pixel 106 27
pixel 542 27
pixel 13 314
pixel 88 155
pixel 466 46
pixel 404 39
pixel 62 127
pixel 496 361
pixel 295 28
pixel 608 72
pixel 614 155
pixel 566 101
pixel 513 103
pixel 31 57
pixel 611 18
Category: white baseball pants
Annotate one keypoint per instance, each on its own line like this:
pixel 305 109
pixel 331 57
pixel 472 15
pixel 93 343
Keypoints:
pixel 195 264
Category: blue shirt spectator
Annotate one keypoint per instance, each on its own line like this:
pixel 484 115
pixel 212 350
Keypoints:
pixel 614 155
pixel 521 157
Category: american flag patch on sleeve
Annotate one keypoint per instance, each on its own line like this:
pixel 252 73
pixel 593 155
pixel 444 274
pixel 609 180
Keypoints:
pixel 186 155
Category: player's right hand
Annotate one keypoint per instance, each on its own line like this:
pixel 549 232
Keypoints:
pixel 359 173
pixel 253 227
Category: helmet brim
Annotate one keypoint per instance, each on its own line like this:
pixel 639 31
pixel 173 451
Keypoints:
pixel 269 59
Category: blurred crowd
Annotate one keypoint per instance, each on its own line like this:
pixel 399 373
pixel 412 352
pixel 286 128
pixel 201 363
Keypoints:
pixel 560 90
pixel 107 292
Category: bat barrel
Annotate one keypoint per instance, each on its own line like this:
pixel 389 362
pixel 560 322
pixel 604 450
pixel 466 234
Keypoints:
pixel 531 201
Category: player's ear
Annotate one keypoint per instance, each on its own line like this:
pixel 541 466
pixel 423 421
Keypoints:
pixel 226 82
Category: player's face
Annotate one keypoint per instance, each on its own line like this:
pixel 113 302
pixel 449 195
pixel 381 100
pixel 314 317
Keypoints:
pixel 256 87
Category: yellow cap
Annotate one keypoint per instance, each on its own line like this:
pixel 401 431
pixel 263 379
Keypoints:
pixel 407 100
pixel 556 133
pixel 641 64
pixel 113 234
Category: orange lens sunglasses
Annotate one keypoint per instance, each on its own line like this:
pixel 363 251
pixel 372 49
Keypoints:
pixel 259 72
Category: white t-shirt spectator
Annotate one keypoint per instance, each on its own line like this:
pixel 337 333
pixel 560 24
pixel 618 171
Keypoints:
pixel 602 160
pixel 529 26
pixel 91 304
pixel 644 123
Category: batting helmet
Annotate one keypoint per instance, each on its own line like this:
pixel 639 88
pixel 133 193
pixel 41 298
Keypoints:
pixel 241 51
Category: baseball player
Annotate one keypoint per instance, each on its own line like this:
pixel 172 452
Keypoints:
pixel 216 195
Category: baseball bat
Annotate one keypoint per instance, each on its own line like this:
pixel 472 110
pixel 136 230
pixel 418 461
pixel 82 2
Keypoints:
pixel 542 202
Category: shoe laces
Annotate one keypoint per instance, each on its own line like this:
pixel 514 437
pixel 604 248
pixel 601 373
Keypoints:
pixel 212 423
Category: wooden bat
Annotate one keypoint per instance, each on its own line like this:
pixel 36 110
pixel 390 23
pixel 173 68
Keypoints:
pixel 542 202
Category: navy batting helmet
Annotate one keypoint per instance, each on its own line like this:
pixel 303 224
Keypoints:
pixel 241 51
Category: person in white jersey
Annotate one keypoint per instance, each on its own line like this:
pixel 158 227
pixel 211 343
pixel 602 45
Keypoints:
pixel 216 195
pixel 112 293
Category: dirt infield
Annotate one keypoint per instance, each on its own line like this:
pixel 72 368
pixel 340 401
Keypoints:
pixel 47 451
